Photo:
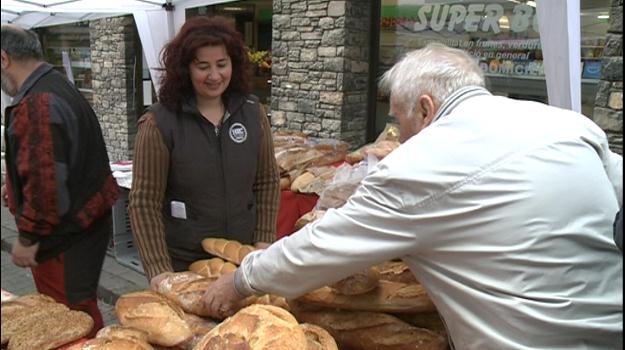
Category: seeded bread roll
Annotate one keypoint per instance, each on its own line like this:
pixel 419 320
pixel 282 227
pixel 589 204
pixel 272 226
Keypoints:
pixel 154 314
pixel 51 330
pixel 20 317
pixel 228 250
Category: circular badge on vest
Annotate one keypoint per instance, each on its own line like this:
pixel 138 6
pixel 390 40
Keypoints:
pixel 238 133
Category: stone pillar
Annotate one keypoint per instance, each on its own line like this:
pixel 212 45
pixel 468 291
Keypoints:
pixel 320 52
pixel 116 68
pixel 608 112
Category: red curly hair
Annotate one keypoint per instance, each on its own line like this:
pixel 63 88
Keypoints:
pixel 178 54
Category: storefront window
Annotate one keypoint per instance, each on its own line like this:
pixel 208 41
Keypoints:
pixel 67 48
pixel 502 36
pixel 253 20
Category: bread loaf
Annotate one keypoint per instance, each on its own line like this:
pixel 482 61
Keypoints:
pixel 266 299
pixel 285 183
pixel 256 327
pixel 302 181
pixel 387 297
pixel 10 308
pixel 154 314
pixel 19 317
pixel 318 338
pixel 358 283
pixel 228 250
pixel 427 320
pixel 121 332
pixel 199 327
pixel 214 267
pixel 307 218
pixel 112 344
pixel 372 331
pixel 51 330
pixel 186 289
pixel 396 271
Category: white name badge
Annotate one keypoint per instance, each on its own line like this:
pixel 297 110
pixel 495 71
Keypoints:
pixel 178 210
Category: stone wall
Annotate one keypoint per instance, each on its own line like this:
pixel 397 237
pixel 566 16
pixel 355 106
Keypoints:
pixel 608 112
pixel 320 52
pixel 116 68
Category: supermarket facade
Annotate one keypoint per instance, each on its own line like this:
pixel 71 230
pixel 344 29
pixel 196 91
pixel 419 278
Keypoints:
pixel 317 61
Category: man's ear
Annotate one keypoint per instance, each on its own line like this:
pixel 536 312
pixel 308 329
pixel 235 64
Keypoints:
pixel 6 60
pixel 427 109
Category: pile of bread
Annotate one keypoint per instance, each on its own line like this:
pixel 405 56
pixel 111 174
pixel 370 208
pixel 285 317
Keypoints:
pixel 382 308
pixel 36 321
pixel 307 164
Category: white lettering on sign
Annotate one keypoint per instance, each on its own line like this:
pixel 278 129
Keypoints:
pixel 473 18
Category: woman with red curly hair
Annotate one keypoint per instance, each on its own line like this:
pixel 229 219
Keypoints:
pixel 204 163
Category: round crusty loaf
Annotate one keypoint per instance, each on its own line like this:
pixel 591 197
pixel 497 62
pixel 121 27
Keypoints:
pixel 256 327
pixel 154 314
pixel 318 338
pixel 214 267
pixel 396 271
pixel 358 283
pixel 185 289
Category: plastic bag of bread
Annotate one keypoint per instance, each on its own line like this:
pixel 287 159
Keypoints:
pixel 307 218
pixel 314 180
pixel 346 179
pixel 186 290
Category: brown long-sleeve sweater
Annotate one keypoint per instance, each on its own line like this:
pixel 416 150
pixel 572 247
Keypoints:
pixel 149 182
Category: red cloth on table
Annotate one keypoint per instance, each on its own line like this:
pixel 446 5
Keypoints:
pixel 292 206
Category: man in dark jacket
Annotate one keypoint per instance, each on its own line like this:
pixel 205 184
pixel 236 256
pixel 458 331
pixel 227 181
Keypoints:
pixel 58 182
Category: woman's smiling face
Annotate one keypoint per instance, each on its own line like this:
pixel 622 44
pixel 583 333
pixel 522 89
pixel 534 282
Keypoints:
pixel 211 71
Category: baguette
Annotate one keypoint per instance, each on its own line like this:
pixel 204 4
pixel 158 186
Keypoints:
pixel 154 314
pixel 228 250
pixel 214 267
pixel 186 290
pixel 257 327
pixel 318 338
pixel 358 283
pixel 388 297
pixel 372 331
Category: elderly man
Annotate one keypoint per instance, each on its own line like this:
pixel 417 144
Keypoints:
pixel 58 182
pixel 502 209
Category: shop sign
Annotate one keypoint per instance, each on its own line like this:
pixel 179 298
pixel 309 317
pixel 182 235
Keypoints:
pixel 471 18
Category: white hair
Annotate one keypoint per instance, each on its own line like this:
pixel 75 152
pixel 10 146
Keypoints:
pixel 435 70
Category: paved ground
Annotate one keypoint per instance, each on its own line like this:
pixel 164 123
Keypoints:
pixel 116 279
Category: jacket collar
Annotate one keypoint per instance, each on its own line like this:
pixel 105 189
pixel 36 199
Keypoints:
pixel 458 97
pixel 234 102
pixel 30 81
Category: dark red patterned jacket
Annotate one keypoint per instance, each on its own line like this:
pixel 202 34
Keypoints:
pixel 58 176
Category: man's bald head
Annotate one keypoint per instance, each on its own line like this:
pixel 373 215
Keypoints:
pixel 21 44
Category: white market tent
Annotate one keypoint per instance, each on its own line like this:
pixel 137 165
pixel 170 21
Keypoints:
pixel 158 20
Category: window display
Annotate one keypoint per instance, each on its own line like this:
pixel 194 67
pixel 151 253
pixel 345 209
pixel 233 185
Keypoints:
pixel 67 48
pixel 502 35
